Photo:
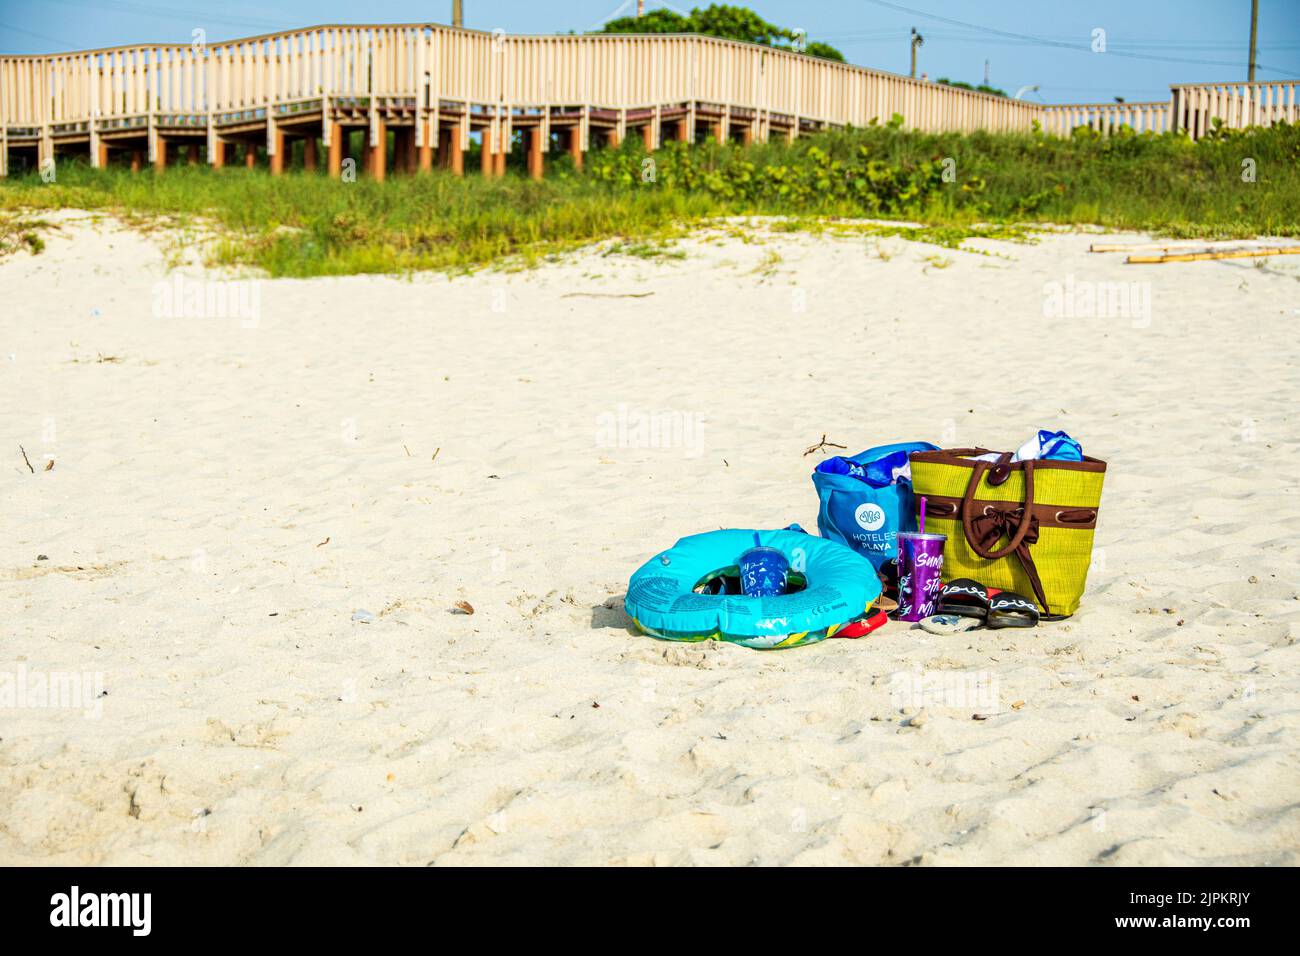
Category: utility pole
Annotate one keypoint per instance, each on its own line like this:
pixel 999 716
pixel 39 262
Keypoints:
pixel 917 40
pixel 457 13
pixel 986 72
pixel 1254 27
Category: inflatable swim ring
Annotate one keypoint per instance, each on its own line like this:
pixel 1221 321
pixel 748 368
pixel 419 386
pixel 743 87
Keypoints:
pixel 667 596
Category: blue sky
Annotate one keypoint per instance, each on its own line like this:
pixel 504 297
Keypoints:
pixel 1150 43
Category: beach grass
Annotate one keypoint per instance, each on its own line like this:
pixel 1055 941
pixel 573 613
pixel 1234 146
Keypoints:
pixel 19 231
pixel 955 186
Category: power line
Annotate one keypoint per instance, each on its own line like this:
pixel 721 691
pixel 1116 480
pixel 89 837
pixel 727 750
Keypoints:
pixel 1127 43
pixel 39 36
pixel 1063 44
pixel 171 13
pixel 1126 46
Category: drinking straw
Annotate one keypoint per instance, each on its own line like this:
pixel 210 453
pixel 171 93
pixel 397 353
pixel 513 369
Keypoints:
pixel 922 514
pixel 757 543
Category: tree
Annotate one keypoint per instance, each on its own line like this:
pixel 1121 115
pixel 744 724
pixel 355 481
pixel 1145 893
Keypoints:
pixel 982 88
pixel 737 23
pixel 656 21
pixel 824 50
pixel 720 20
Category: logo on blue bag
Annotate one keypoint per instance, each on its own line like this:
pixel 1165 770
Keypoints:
pixel 869 516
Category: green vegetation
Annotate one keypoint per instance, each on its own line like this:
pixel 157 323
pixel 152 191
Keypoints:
pixel 962 85
pixel 20 232
pixel 1165 183
pixel 302 225
pixel 720 20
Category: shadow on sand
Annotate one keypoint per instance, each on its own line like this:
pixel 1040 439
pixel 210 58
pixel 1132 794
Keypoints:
pixel 602 615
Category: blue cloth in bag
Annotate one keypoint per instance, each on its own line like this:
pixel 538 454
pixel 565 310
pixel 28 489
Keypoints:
pixel 864 501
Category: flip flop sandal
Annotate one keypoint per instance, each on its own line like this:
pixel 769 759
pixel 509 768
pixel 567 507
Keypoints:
pixel 864 627
pixel 1009 609
pixel 948 624
pixel 965 598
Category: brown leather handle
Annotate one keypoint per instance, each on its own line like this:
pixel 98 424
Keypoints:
pixel 967 512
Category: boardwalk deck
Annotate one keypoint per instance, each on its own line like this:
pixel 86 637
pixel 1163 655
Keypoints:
pixel 433 87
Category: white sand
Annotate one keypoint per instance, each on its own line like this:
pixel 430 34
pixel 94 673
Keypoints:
pixel 249 719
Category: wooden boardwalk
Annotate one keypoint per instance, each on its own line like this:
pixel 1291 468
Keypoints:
pixel 431 87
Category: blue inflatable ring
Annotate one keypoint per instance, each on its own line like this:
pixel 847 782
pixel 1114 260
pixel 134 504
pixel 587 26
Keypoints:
pixel 662 600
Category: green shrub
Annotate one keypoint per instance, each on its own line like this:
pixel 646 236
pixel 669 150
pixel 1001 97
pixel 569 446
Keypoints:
pixel 300 224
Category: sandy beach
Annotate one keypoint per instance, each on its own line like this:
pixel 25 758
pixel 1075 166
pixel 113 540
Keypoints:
pixel 243 563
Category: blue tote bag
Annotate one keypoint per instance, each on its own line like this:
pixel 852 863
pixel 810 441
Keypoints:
pixel 863 505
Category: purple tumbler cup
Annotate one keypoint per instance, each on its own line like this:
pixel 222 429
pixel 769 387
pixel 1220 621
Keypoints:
pixel 920 564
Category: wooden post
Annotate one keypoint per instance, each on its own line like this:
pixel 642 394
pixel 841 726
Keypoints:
pixel 399 149
pixel 250 155
pixel 218 153
pixel 334 161
pixel 408 150
pixel 455 155
pixel 277 157
pixel 648 137
pixel 718 129
pixel 379 152
pixel 536 165
pixel 684 132
pixel 309 154
pixel 747 136
pixel 486 162
pixel 575 146
pixel 426 147
pixel 611 137
pixel 137 160
pixel 499 156
pixel 160 155
pixel 103 154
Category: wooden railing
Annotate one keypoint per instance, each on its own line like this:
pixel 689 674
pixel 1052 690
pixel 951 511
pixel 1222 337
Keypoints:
pixel 504 81
pixel 1106 118
pixel 598 70
pixel 1195 106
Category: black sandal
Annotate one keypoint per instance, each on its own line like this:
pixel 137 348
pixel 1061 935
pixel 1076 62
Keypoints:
pixel 1008 609
pixel 965 598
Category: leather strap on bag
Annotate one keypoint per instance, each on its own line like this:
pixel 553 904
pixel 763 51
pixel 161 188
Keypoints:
pixel 968 513
pixel 995 524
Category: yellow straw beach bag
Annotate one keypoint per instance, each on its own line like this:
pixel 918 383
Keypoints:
pixel 1022 526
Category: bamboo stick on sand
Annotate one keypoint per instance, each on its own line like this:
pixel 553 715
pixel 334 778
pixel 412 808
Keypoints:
pixel 1218 254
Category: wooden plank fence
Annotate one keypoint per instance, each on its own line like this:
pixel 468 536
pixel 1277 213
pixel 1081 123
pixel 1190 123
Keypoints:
pixel 432 86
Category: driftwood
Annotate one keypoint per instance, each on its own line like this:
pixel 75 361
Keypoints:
pixel 1218 254
pixel 1135 246
pixel 822 446
pixel 605 295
